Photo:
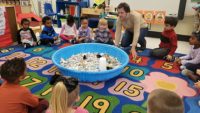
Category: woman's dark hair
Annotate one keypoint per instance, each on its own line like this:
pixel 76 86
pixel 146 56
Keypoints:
pixel 12 69
pixel 125 6
pixel 197 35
pixel 172 21
pixel 70 83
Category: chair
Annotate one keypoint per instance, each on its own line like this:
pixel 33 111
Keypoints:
pixel 93 22
pixel 84 3
pixel 48 10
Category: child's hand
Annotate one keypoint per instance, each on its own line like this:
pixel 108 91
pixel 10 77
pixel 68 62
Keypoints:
pixel 55 38
pixel 198 72
pixel 197 84
pixel 34 43
pixel 133 52
pixel 169 57
pixel 178 61
pixel 81 39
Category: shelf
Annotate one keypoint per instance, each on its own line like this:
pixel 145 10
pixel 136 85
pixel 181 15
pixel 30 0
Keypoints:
pixel 63 5
pixel 65 15
pixel 68 3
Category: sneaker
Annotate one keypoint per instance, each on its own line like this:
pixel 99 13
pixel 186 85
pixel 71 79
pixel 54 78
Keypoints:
pixel 73 41
pixel 186 72
pixel 182 67
pixel 49 44
pixel 57 42
pixel 25 46
pixel 199 102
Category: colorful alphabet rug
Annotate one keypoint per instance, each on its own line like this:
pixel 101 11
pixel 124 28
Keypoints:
pixel 126 93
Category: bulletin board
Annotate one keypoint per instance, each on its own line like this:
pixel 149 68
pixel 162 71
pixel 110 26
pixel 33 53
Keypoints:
pixel 195 0
pixel 5 34
pixel 171 7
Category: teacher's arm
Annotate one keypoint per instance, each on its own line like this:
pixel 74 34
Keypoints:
pixel 136 31
pixel 118 32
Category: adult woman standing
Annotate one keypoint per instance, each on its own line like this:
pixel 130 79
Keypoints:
pixel 135 28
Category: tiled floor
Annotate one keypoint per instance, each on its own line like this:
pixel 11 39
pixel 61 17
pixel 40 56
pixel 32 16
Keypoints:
pixel 183 47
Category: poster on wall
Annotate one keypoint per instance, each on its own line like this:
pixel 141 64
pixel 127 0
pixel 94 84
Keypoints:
pixel 159 17
pixel 2 21
pixel 149 16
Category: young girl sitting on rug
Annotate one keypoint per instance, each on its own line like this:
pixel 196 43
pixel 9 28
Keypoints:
pixel 48 35
pixel 164 101
pixel 64 94
pixel 191 62
pixel 15 98
pixel 69 30
pixel 84 32
pixel 102 34
pixel 25 35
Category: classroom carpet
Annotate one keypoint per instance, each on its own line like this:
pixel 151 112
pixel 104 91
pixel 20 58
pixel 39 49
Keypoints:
pixel 126 93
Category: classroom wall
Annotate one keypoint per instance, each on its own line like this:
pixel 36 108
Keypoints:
pixel 160 5
pixel 188 11
pixel 184 27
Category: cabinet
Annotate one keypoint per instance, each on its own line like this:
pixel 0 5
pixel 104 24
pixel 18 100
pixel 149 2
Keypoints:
pixel 65 8
pixel 8 27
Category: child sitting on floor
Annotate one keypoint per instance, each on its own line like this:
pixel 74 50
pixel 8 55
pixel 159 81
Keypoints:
pixel 84 32
pixel 48 35
pixel 64 94
pixel 25 35
pixel 164 101
pixel 191 62
pixel 13 97
pixel 168 44
pixel 102 34
pixel 69 30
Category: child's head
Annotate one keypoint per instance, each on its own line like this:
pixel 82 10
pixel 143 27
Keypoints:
pixel 103 24
pixel 164 101
pixel 46 21
pixel 170 22
pixel 13 70
pixel 84 22
pixel 195 38
pixel 123 9
pixel 25 23
pixel 70 20
pixel 64 94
